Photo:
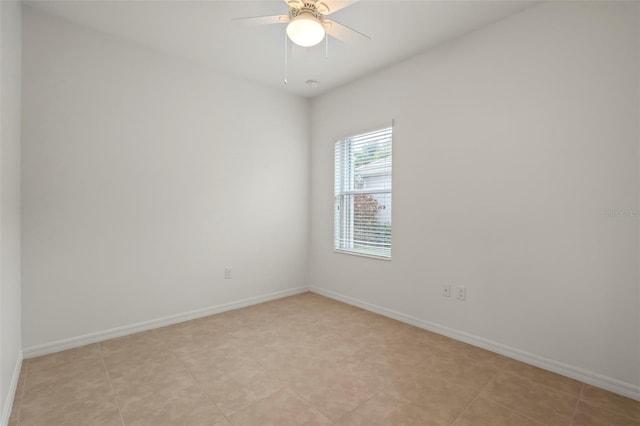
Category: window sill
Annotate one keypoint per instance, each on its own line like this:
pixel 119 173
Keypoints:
pixel 359 254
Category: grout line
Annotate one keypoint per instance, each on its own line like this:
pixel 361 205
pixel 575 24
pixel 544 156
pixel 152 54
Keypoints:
pixel 286 387
pixel 479 395
pixel 355 408
pixel 521 414
pixel 206 394
pixel 476 397
pixel 603 406
pixel 234 344
pixel 575 409
pixel 548 387
pixel 492 401
pixel 498 371
pixel 608 409
pixel 115 396
pixel 303 399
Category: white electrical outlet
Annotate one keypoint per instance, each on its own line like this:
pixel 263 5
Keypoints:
pixel 227 273
pixel 446 290
pixel 461 293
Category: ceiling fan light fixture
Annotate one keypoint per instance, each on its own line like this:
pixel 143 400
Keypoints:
pixel 305 30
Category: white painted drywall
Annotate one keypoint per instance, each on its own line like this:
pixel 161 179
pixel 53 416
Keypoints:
pixel 143 177
pixel 10 75
pixel 510 146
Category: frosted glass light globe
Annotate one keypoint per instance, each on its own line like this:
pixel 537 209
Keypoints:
pixel 305 30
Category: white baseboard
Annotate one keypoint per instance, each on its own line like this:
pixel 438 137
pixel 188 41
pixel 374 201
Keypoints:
pixel 11 394
pixel 73 342
pixel 609 383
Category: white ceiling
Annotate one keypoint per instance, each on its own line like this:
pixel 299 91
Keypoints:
pixel 203 31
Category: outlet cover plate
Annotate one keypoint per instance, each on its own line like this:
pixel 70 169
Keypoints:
pixel 446 290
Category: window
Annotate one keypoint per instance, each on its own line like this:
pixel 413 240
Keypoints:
pixel 362 221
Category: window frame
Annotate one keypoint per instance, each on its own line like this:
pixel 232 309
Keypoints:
pixel 344 198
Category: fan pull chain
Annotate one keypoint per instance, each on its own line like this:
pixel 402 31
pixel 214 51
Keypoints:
pixel 286 61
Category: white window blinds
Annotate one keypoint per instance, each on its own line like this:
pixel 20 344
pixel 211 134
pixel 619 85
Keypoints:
pixel 362 221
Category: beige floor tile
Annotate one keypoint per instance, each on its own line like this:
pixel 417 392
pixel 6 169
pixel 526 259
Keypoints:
pixel 384 410
pixel 229 395
pixel 411 353
pixel 355 419
pixel 282 408
pixel 332 390
pixel 531 399
pixel 242 383
pixel 588 415
pixel 227 322
pixel 256 377
pixel 478 355
pixel 187 335
pixel 86 399
pixel 151 377
pixel 185 407
pixel 611 401
pixel 268 347
pixel 485 413
pixel 303 359
pixel 252 339
pixel 287 361
pixel 345 351
pixel 74 356
pixel 208 364
pixel 416 415
pixel 380 373
pixel 73 417
pixel 534 374
pixel 286 375
pixel 64 365
pixel 437 396
pixel 215 340
pixel 456 369
pixel 135 349
pixel 377 411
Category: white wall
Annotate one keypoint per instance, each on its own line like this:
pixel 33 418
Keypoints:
pixel 509 146
pixel 10 64
pixel 143 177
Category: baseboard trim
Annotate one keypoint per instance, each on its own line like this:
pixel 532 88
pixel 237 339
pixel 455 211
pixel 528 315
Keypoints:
pixel 73 342
pixel 11 394
pixel 608 383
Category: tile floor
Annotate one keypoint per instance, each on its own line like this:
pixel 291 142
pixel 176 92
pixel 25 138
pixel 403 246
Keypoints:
pixel 302 360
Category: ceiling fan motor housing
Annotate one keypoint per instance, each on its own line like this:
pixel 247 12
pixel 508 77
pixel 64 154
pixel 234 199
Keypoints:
pixel 309 8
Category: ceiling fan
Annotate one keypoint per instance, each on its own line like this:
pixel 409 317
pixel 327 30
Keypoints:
pixel 307 24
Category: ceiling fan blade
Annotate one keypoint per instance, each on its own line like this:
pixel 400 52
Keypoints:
pixel 263 20
pixel 342 32
pixel 333 5
pixel 294 3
